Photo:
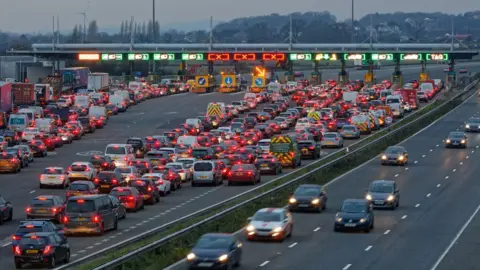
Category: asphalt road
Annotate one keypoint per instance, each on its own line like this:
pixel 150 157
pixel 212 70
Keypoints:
pixel 149 118
pixel 438 191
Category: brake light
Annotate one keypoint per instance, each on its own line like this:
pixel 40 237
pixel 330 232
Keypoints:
pixel 47 250
pixel 249 173
pixel 13 160
pixel 114 181
pixel 125 158
pixel 131 198
pixel 105 164
pixel 230 173
pixel 323 139
pixel 292 154
pixel 65 219
pixel 28 209
pixel 336 139
pixel 149 189
pixel 18 251
pixel 96 219
pixel 96 180
pixel 16 238
pixel 87 169
pixel 157 144
pixel 54 210
pixel 70 168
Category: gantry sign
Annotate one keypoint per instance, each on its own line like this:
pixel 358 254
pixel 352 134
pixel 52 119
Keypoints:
pixel 270 56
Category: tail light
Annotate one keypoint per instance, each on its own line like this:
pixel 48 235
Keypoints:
pixel 96 219
pixel 15 238
pixel 249 173
pixel 87 169
pixel 28 209
pixel 160 182
pixel 23 134
pixel 311 147
pixel 157 144
pixel 68 193
pixel 292 154
pixel 54 210
pixel 105 164
pixel 149 189
pixel 114 181
pixel 224 170
pixel 47 250
pixel 125 158
pixel 131 198
pixel 65 219
pixel 96 180
pixel 13 160
pixel 323 139
pixel 18 251
pixel 230 173
pixel 336 139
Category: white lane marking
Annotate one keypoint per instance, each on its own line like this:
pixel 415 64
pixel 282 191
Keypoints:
pixel 415 162
pixel 417 205
pixel 455 239
pixel 127 230
pixel 431 150
pixel 133 227
pixel 404 217
pixel 461 163
pixel 292 245
pixel 406 169
pixel 368 248
pixel 438 185
pixel 476 146
pixel 7 244
pixel 105 240
pixel 423 155
pixel 446 177
pixel 386 232
pixel 74 255
pixel 346 266
pixel 429 194
pixel 436 145
pixel 264 263
pixel 467 157
pixel 473 151
pixel 82 251
pixel 97 244
pixel 316 229
pixel 171 113
pixel 33 191
pixel 396 175
pixel 458 129
pixel 89 247
pixel 454 170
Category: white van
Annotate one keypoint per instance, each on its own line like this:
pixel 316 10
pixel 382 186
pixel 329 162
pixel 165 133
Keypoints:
pixel 395 103
pixel 18 122
pixel 189 141
pixel 82 101
pixel 119 102
pixel 97 112
pixel 135 86
pixel 38 111
pixel 30 113
pixel 121 154
pixel 45 125
pixel 194 122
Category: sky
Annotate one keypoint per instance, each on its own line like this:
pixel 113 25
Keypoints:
pixel 27 16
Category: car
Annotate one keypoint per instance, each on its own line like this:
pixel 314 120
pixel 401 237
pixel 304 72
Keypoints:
pixel 308 197
pixel 34 226
pixel 130 197
pixel 81 171
pixel 138 145
pixel 102 163
pixel 107 180
pixel 19 154
pixel 355 214
pixel 268 164
pixel 332 139
pixel 463 70
pixel 54 176
pixel 27 151
pixel 383 194
pixel 38 148
pixel 147 188
pixel 45 248
pixel 164 186
pixel 243 173
pixel 6 210
pixel 184 172
pixel 396 155
pixel 206 171
pixel 65 135
pixel 128 172
pixel 215 251
pixel 472 125
pixel 143 166
pixel 46 207
pixel 309 149
pixel 270 224
pixel 78 188
pixel 350 132
pixel 9 163
pixel 119 207
pixel 456 139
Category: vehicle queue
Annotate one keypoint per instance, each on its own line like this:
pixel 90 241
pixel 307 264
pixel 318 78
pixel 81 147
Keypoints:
pixel 236 143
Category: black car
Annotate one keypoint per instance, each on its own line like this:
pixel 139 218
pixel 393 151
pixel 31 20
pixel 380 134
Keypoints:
pixel 308 197
pixel 87 124
pixel 34 226
pixel 206 123
pixel 147 188
pixel 102 163
pixel 138 146
pixel 105 181
pixel 309 149
pixel 268 164
pixel 43 248
pixel 11 137
pixel 49 207
pixel 456 139
pixel 6 210
pixel 204 153
pixel 355 214
pixel 215 251
pixel 38 147
pixel 383 194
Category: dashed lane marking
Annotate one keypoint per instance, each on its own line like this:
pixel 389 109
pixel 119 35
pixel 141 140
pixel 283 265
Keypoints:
pixel 461 163
pixel 423 155
pixel 454 170
pixel 446 177
pixel 264 263
pixel 316 229
pixel 396 175
pixel 429 194
pixel 386 232
pixel 438 185
pixel 417 205
pixel 33 191
pixel 404 217
pixel 368 248
pixel 346 266
pixel 415 162
pixel 292 245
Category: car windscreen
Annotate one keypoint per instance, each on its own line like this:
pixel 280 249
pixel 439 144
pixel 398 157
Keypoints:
pixel 41 202
pixel 78 168
pixel 80 206
pixel 393 151
pixel 123 192
pixel 115 150
pixel 37 241
pixel 353 207
pixel 52 171
pixel 123 170
pixel 307 191
pixel 213 242
pixel 202 167
pixel 381 188
pixel 267 217
pixel 78 187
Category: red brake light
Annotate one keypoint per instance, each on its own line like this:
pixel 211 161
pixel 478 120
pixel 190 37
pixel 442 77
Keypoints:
pixel 65 219
pixel 14 237
pixel 131 198
pixel 336 139
pixel 114 181
pixel 149 189
pixel 96 219
pixel 105 164
pixel 125 158
pixel 249 173
pixel 54 210
pixel 18 251
pixel 47 250
pixel 96 180
pixel 28 209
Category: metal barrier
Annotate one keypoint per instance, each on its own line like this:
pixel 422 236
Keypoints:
pixel 215 207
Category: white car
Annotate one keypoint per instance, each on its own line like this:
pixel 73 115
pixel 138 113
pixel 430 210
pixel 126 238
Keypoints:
pixel 185 173
pixel 54 176
pixel 128 172
pixel 271 224
pixel 188 162
pixel 162 184
pixel 30 133
pixel 264 146
pixel 304 122
pixel 81 171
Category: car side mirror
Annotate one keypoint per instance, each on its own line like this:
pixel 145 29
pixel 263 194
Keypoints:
pixel 249 219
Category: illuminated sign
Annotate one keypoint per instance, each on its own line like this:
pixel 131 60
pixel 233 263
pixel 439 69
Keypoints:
pixel 244 56
pixel 382 56
pixel 273 57
pixel 163 56
pixel 354 56
pixel 300 56
pixel 218 56
pixel 88 56
pixel 326 56
pixel 259 71
pixel 410 56
pixel 436 56
pixel 192 56
pixel 138 56
pixel 112 56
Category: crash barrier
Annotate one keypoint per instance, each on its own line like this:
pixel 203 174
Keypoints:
pixel 181 233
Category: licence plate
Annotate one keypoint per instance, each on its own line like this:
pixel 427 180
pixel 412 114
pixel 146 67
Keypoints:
pixel 303 205
pixel 51 177
pixel 265 168
pixel 146 196
pixel 205 264
pixel 455 143
pixel 77 175
pixel 350 225
pixel 30 251
pixel 105 186
pixel 379 202
pixel 41 211
pixel 203 177
pixel 305 151
pixel 77 193
pixel 239 174
pixel 264 165
pixel 81 219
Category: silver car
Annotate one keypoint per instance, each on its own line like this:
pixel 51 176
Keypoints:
pixel 350 131
pixel 472 125
pixel 206 172
pixel 282 122
pixel 27 150
pixel 332 139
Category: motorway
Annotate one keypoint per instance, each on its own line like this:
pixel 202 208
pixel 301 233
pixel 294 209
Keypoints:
pixel 149 118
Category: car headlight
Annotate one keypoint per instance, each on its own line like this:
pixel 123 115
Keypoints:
pixel 401 157
pixel 368 197
pixel 223 258
pixel 384 157
pixel 250 228
pixel 390 198
pixel 463 141
pixel 467 126
pixel 191 256
pixel 316 201
pixel 448 141
pixel 278 229
pixel 339 219
pixel 292 200
pixel 362 220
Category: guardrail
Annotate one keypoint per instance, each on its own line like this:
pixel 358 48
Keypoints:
pixel 147 248
pixel 216 206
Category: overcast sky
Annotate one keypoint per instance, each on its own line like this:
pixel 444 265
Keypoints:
pixel 36 15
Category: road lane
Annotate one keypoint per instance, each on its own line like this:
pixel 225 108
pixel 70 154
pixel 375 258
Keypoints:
pixel 143 119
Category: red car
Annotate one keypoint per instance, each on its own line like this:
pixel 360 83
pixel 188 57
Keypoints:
pixel 243 173
pixel 130 197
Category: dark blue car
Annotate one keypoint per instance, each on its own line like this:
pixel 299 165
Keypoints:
pixel 355 214
pixel 215 251
pixel 31 226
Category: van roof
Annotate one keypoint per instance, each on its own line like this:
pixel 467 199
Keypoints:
pixel 117 145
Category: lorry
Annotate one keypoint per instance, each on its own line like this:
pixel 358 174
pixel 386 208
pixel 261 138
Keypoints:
pixel 75 77
pixel 23 93
pixel 410 96
pixel 43 94
pixel 5 97
pixel 55 82
pixel 98 81
pixel 63 113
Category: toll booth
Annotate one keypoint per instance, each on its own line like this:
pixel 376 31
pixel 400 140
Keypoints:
pixel 424 74
pixel 259 80
pixel 397 76
pixel 452 74
pixel 343 74
pixel 316 78
pixel 204 81
pixel 229 81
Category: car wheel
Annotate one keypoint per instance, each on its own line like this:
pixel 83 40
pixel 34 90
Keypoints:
pixel 51 263
pixel 1 219
pixel 115 225
pixel 194 184
pixel 67 257
pixel 41 186
pixel 18 265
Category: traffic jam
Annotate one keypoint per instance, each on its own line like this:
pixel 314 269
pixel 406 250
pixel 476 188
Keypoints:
pixel 230 144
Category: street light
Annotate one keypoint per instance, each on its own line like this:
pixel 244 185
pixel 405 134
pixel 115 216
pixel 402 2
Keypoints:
pixel 84 26
pixel 353 19
pixel 153 22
